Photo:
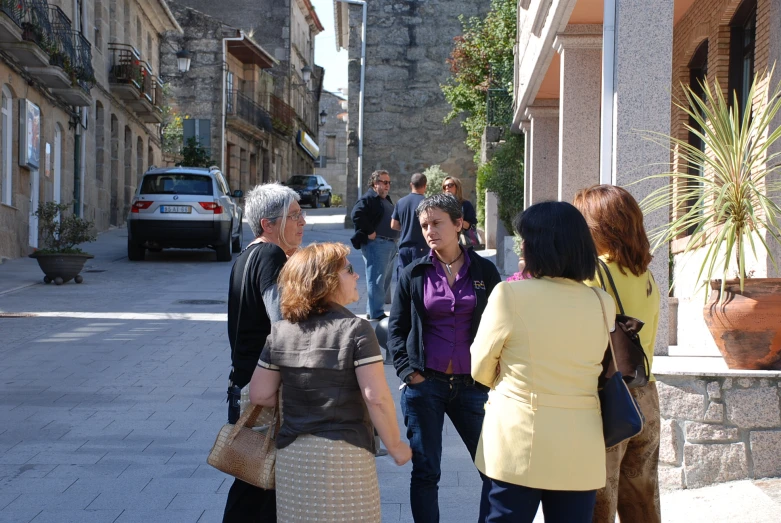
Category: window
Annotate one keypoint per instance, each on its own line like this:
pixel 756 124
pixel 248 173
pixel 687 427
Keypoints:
pixel 743 36
pixel 6 141
pixel 330 147
pixel 173 183
pixel 198 129
pixel 229 92
pixel 698 73
pixel 98 18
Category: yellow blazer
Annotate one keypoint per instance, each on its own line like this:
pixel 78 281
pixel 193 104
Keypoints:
pixel 543 427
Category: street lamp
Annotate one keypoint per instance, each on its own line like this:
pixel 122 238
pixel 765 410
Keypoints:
pixel 183 59
pixel 323 116
pixel 306 73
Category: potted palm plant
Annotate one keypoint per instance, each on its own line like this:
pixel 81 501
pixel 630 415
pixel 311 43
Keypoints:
pixel 60 259
pixel 723 198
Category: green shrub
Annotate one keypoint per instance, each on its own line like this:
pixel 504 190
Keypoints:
pixel 336 200
pixel 503 175
pixel 434 178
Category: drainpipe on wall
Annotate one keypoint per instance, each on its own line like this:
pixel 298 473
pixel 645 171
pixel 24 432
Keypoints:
pixel 607 147
pixel 361 3
pixel 77 169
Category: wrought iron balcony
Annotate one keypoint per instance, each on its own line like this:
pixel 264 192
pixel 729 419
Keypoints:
pixel 247 115
pixel 132 80
pixel 499 107
pixel 283 116
pixel 25 31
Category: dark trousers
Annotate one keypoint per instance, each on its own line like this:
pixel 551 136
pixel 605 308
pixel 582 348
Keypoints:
pixel 424 407
pixel 250 504
pixel 407 255
pixel 510 503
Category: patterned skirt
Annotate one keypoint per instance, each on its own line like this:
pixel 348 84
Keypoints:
pixel 327 481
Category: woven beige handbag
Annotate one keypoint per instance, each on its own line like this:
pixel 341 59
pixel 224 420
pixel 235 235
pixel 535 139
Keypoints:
pixel 247 454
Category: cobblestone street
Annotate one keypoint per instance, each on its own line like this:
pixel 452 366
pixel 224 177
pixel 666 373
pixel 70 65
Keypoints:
pixel 112 392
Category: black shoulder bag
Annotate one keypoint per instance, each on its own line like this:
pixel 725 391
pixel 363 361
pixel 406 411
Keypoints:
pixel 629 354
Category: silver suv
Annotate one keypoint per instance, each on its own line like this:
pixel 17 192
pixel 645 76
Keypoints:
pixel 186 208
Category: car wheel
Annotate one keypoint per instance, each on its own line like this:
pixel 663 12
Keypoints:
pixel 315 200
pixel 328 200
pixel 135 251
pixel 237 241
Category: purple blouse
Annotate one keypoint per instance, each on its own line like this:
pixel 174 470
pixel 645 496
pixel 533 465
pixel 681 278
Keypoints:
pixel 447 326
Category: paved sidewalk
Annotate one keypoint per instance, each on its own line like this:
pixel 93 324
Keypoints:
pixel 112 391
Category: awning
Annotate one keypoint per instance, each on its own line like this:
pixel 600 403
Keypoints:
pixel 308 145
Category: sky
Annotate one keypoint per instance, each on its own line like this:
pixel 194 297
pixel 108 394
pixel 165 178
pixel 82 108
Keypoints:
pixel 335 64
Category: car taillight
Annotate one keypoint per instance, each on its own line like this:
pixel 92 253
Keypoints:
pixel 211 206
pixel 139 205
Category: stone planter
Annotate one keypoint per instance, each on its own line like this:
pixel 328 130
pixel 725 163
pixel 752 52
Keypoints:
pixel 61 268
pixel 718 427
pixel 672 313
pixel 745 326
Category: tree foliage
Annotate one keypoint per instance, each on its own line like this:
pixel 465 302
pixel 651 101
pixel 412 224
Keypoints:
pixel 195 155
pixel 482 58
pixel 434 178
pixel 503 175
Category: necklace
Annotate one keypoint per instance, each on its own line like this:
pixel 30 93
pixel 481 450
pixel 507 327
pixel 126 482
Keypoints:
pixel 448 265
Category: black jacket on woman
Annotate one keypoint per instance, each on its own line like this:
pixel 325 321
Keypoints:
pixel 405 327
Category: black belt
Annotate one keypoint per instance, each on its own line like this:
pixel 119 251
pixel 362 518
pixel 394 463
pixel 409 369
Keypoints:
pixel 386 238
pixel 449 378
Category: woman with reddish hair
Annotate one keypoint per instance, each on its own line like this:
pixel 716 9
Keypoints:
pixel 616 224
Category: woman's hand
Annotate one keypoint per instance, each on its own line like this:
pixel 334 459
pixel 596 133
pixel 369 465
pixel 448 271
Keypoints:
pixel 401 453
pixel 415 378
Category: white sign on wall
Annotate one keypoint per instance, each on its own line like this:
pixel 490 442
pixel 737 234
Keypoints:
pixel 29 134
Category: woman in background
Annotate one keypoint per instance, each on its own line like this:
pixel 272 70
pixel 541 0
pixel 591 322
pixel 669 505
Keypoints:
pixel 616 224
pixel 452 185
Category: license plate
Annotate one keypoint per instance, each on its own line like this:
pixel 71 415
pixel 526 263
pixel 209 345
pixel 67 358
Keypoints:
pixel 176 208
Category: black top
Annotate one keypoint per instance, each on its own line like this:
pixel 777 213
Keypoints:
pixel 470 216
pixel 254 324
pixel 408 313
pixel 411 233
pixel 317 359
pixel 366 214
pixel 384 226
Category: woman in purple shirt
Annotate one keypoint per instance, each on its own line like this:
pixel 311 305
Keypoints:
pixel 435 314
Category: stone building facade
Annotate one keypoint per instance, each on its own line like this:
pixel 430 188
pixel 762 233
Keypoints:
pixel 333 142
pixel 225 98
pixel 92 69
pixel 286 29
pixel 407 45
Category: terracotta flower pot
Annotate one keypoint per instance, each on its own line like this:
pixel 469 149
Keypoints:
pixel 746 325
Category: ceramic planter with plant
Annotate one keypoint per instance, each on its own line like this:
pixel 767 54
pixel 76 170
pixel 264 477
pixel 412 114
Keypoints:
pixel 60 259
pixel 723 199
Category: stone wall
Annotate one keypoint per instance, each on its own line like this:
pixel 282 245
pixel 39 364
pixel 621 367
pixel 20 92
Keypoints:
pixel 407 45
pixel 719 427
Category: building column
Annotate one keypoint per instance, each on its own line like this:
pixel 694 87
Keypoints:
pixel 526 127
pixel 543 151
pixel 579 110
pixel 643 78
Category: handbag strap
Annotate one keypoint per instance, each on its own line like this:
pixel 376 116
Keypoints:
pixel 248 419
pixel 607 327
pixel 604 267
pixel 241 300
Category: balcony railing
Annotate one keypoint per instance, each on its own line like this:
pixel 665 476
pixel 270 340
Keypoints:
pixel 282 116
pixel 35 23
pixel 61 50
pixel 13 9
pixel 499 107
pixel 126 65
pixel 85 72
pixel 240 105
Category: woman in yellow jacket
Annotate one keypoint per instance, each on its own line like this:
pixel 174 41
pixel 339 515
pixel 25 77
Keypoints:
pixel 616 224
pixel 539 348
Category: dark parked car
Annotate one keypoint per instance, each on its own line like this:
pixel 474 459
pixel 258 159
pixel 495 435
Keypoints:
pixel 312 188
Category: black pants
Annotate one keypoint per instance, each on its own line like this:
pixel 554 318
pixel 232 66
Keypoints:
pixel 250 504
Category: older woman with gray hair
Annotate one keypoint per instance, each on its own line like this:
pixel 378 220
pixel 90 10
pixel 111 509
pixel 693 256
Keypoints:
pixel 277 222
pixel 439 301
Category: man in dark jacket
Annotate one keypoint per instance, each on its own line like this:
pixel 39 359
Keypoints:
pixel 377 240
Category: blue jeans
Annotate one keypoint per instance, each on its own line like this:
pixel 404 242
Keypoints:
pixel 511 503
pixel 424 407
pixel 378 256
pixel 407 255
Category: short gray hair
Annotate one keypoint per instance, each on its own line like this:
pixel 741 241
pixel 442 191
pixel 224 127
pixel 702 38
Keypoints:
pixel 270 201
pixel 444 202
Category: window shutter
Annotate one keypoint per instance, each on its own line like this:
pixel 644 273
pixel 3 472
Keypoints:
pixel 188 130
pixel 204 133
